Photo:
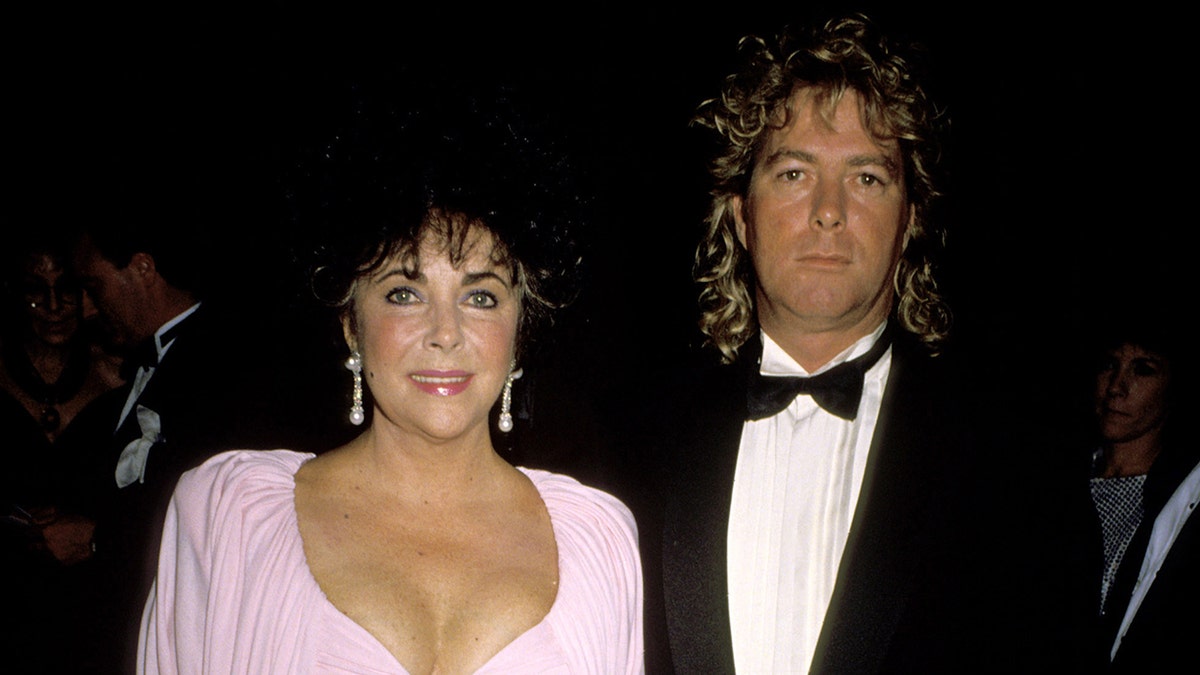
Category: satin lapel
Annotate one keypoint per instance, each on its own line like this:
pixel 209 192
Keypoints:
pixel 171 388
pixel 891 527
pixel 697 521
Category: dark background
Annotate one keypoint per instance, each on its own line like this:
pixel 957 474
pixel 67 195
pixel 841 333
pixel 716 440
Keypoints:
pixel 1070 152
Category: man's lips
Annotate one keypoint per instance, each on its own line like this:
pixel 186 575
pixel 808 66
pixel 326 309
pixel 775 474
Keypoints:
pixel 441 383
pixel 820 260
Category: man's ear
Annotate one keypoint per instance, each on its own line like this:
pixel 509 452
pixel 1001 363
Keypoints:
pixel 734 204
pixel 142 265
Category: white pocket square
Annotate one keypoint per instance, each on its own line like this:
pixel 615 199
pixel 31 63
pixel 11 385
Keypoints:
pixel 131 467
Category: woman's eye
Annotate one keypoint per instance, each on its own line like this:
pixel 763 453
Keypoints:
pixel 402 296
pixel 481 299
pixel 1145 369
pixel 1107 365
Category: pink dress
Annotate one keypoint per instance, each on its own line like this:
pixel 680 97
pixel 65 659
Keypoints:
pixel 235 595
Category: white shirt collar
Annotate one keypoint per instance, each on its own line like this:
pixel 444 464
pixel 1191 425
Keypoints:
pixel 775 361
pixel 163 341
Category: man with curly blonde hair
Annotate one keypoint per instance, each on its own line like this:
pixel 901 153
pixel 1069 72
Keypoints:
pixel 813 524
pixel 845 68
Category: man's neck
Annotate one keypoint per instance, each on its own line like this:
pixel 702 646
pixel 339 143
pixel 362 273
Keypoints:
pixel 169 307
pixel 812 350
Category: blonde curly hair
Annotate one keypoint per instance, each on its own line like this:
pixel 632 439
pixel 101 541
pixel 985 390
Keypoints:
pixel 845 54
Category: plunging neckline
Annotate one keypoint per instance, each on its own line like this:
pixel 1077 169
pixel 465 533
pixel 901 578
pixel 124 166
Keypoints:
pixel 332 610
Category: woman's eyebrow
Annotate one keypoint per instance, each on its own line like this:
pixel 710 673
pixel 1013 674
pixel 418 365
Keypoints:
pixel 475 277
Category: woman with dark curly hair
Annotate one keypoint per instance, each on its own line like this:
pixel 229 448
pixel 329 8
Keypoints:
pixel 415 548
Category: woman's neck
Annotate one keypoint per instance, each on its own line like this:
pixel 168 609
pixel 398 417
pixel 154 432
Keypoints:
pixel 428 470
pixel 48 360
pixel 1131 458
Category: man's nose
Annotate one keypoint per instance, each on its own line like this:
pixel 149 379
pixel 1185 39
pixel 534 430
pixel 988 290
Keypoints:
pixel 829 205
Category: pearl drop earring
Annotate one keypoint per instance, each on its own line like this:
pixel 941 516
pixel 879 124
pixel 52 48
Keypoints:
pixel 354 365
pixel 506 422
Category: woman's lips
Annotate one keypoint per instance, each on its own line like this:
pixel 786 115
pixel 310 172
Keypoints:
pixel 440 383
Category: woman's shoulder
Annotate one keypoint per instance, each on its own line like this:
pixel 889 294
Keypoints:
pixel 573 505
pixel 239 476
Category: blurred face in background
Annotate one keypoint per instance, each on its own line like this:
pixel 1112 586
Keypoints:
pixel 118 296
pixel 52 299
pixel 1131 393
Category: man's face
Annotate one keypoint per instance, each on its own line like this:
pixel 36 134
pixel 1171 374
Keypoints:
pixel 823 221
pixel 116 294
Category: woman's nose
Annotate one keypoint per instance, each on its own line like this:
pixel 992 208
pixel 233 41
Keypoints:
pixel 1118 383
pixel 445 330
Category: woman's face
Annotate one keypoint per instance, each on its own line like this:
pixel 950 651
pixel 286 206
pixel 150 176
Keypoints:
pixel 437 343
pixel 1131 393
pixel 51 299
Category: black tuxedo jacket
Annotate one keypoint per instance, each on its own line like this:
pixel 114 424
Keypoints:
pixel 216 389
pixel 226 382
pixel 912 593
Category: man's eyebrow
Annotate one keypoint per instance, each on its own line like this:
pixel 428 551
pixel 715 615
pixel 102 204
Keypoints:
pixel 788 153
pixel 855 161
pixel 875 160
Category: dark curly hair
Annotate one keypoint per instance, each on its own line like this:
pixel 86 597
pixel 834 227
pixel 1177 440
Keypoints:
pixel 435 159
pixel 844 54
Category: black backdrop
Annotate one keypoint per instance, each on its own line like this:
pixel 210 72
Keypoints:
pixel 1070 149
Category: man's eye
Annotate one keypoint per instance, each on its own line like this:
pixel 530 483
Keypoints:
pixel 870 179
pixel 791 174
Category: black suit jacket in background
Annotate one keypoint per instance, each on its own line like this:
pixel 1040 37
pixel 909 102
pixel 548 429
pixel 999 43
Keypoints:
pixel 1160 639
pixel 227 382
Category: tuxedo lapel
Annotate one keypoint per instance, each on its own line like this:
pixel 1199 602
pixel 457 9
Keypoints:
pixel 174 391
pixel 889 533
pixel 697 522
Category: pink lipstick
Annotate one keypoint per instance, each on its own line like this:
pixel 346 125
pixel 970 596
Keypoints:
pixel 441 383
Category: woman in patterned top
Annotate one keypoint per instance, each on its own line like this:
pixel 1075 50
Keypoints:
pixel 1138 467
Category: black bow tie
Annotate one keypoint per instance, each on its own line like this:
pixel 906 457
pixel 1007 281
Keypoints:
pixel 837 390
